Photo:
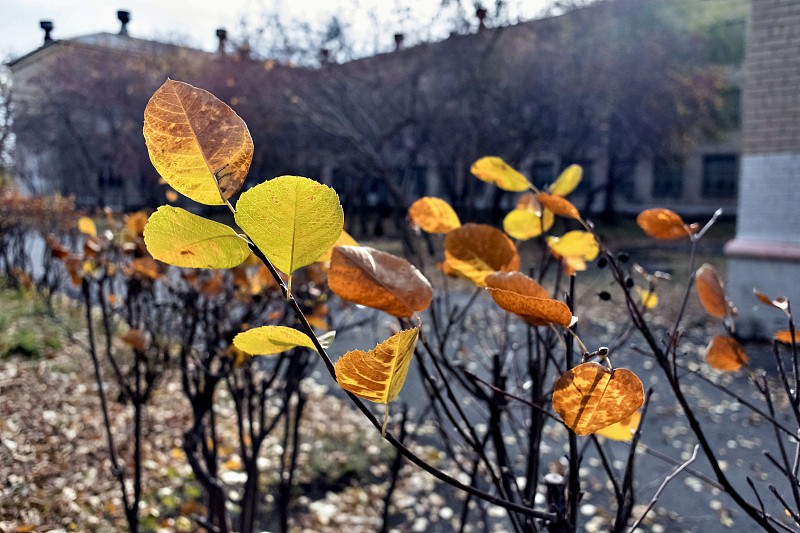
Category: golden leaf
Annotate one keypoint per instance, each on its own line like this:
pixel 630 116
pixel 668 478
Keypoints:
pixel 270 340
pixel 558 205
pixel 589 397
pixel 197 143
pixel 622 430
pixel 567 181
pixel 663 224
pixel 517 293
pixel 524 224
pixel 379 374
pixel 725 353
pixel 345 239
pixel 87 226
pixel 433 215
pixel 379 280
pixel 785 336
pixel 496 171
pixel 649 299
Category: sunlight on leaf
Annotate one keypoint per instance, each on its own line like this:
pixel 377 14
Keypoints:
pixel 517 293
pixel 87 226
pixel 270 340
pixel 781 302
pixel 725 353
pixel 589 397
pixel 662 224
pixel 433 215
pixel 177 237
pixel 711 292
pixel 293 220
pixel 496 171
pixel 197 143
pixel 567 181
pixel 476 250
pixel 524 224
pixel 622 430
pixel 380 280
pixel 378 375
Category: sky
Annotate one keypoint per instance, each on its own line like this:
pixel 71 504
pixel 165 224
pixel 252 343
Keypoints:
pixel 194 23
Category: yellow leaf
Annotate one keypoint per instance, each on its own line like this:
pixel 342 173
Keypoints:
pixel 725 353
pixel 380 280
pixel 524 224
pixel 589 397
pixel 495 170
pixel 87 226
pixel 176 236
pixel 293 220
pixel 433 215
pixel 567 181
pixel 269 340
pixel 663 224
pixel 476 250
pixel 345 239
pixel 622 430
pixel 379 374
pixel 578 244
pixel 649 299
pixel 197 143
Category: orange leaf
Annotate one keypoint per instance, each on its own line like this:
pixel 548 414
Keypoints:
pixel 725 353
pixel 622 430
pixel 146 268
pixel 476 250
pixel 558 205
pixel 785 336
pixel 535 311
pixel 433 215
pixel 711 293
pixel 136 223
pixel 780 302
pixel 379 280
pixel 662 224
pixel 516 282
pixel 171 196
pixel 590 397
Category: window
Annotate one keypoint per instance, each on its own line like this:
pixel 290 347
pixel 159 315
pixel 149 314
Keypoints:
pixel 667 178
pixel 720 176
pixel 542 173
pixel 728 115
pixel 623 171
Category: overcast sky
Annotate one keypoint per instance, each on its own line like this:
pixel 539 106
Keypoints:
pixel 195 22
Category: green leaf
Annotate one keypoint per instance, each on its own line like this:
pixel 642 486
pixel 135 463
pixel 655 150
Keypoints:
pixel 270 340
pixel 293 220
pixel 176 236
pixel 197 143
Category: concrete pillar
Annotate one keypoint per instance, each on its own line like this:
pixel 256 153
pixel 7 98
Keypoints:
pixel 766 251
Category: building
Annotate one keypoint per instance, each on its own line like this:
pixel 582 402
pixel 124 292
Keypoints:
pixel 585 87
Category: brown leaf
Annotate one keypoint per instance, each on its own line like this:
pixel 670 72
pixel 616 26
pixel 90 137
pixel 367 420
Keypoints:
pixel 146 268
pixel 136 339
pixel 780 302
pixel 711 292
pixel 380 280
pixel 725 353
pixel 535 311
pixel 558 205
pixel 589 397
pixel 136 223
pixel 662 224
pixel 476 250
pixel 516 282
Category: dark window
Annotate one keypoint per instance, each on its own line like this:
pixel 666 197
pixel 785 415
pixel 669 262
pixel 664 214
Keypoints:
pixel 720 176
pixel 542 173
pixel 623 173
pixel 667 178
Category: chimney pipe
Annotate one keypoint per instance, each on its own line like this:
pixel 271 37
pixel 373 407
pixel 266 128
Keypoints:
pixel 481 14
pixel 222 35
pixel 398 41
pixel 47 26
pixel 124 17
